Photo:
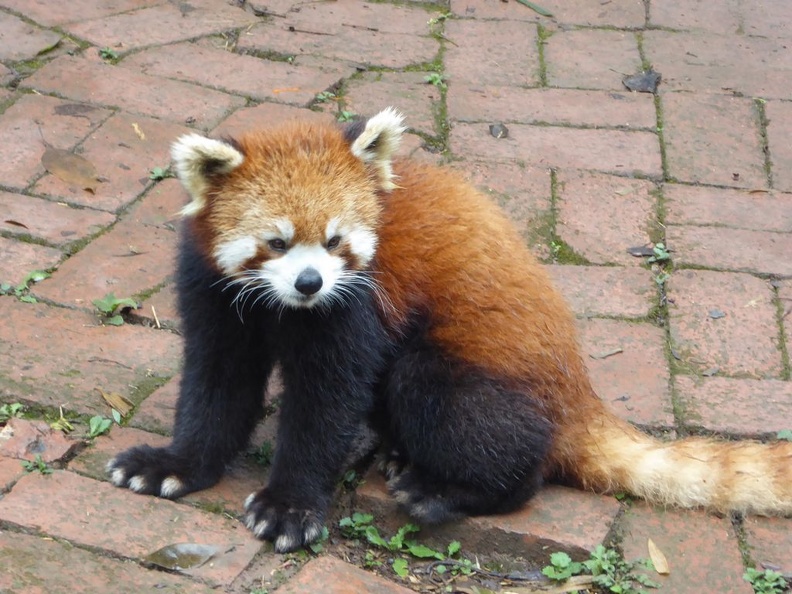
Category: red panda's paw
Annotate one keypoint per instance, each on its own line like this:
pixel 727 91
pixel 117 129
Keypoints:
pixel 423 502
pixel 157 471
pixel 287 527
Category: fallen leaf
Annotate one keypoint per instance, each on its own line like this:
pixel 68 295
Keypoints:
pixel 287 90
pixel 716 314
pixel 117 402
pixel 658 558
pixel 16 223
pixel 640 251
pixel 499 131
pixel 536 8
pixel 182 556
pixel 72 169
pixel 710 372
pixel 643 82
pixel 138 131
pixel 607 354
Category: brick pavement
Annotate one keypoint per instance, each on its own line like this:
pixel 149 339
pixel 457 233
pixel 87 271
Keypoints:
pixel 587 171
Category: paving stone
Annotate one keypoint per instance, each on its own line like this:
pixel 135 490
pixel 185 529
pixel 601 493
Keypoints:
pixel 20 258
pixel 22 41
pixel 40 566
pixel 769 542
pixel 608 291
pixel 23 146
pixel 157 25
pixel 91 462
pixel 785 299
pixel 406 91
pixel 49 14
pixel 266 115
pixel 296 83
pixel 504 53
pixel 634 382
pixel 718 17
pixel 749 66
pixel 57 357
pixel 735 406
pixel 10 470
pixel 126 261
pixel 620 13
pixel 540 528
pixel 25 440
pixel 600 216
pixel 591 58
pixel 332 576
pixel 713 139
pixel 743 342
pixel 163 304
pixel 96 514
pixel 766 18
pixel 481 103
pixel 721 207
pixel 6 76
pixel 87 80
pixel 702 550
pixel 158 411
pixel 613 151
pixel 779 130
pixel 399 36
pixel 161 205
pixel 52 222
pixel 731 249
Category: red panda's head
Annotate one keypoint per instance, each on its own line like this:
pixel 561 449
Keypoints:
pixel 294 211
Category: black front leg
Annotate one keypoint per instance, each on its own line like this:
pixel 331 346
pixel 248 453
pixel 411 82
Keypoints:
pixel 227 361
pixel 330 364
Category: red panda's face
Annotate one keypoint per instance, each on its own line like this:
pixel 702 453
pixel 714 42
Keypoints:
pixel 290 216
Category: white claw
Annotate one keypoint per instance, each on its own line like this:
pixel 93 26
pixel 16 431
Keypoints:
pixel 170 486
pixel 117 477
pixel 260 528
pixel 285 543
pixel 137 484
pixel 249 499
pixel 312 532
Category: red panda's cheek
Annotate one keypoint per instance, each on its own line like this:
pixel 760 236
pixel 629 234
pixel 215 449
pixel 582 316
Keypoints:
pixel 231 255
pixel 362 245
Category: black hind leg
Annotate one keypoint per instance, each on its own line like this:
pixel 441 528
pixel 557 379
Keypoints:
pixel 465 444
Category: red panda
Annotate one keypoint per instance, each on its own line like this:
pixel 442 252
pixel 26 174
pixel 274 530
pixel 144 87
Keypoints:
pixel 392 292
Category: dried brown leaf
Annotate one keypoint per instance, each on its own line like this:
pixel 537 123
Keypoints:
pixel 117 402
pixel 658 558
pixel 72 169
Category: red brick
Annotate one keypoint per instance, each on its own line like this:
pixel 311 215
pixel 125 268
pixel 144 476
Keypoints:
pixel 49 14
pixel 25 440
pixel 43 566
pixel 22 41
pixel 731 249
pixel 769 542
pixel 600 216
pixel 6 76
pixel 702 550
pixel 17 259
pixel 736 406
pixel 779 131
pixel 718 17
pixel 738 209
pixel 713 139
pixel 266 115
pixel 785 297
pixel 97 514
pixel 53 356
pixel 163 304
pixel 750 66
pixel 160 206
pixel 634 382
pixel 10 470
pixel 54 223
pixel 23 146
pixel 373 34
pixel 766 18
pixel 332 576
pixel 613 151
pixel 127 261
pixel 88 80
pixel 296 83
pixel 608 291
pixel 407 91
pixel 491 53
pixel 480 103
pixel 619 13
pixel 158 411
pixel 92 460
pixel 591 58
pixel 743 342
pixel 161 24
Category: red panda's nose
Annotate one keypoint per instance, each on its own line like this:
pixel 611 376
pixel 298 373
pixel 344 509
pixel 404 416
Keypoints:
pixel 309 281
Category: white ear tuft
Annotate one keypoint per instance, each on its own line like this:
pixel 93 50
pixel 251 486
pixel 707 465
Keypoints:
pixel 197 158
pixel 378 142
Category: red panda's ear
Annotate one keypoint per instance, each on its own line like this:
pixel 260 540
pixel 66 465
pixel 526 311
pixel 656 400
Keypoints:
pixel 196 160
pixel 376 143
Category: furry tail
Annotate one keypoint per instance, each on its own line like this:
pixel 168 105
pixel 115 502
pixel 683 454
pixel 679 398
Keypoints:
pixel 610 455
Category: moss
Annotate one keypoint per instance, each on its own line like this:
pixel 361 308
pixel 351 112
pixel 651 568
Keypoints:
pixel 543 35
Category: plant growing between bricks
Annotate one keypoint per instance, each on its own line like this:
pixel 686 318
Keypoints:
pixel 111 308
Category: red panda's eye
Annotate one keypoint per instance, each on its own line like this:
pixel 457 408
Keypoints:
pixel 277 245
pixel 333 242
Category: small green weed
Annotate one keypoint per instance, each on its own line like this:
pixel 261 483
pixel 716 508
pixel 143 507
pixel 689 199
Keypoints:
pixel 351 480
pixel 107 53
pixel 62 424
pixel 98 425
pixel 9 411
pixel 765 582
pixel 784 434
pixel 436 79
pixel 111 307
pixel 263 454
pixel 610 571
pixel 21 290
pixel 318 546
pixel 160 173
pixel 36 465
pixel 325 96
pixel 346 116
pixel 661 254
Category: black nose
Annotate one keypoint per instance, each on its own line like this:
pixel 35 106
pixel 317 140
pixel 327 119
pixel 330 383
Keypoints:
pixel 309 281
